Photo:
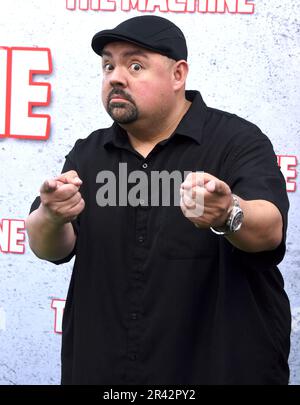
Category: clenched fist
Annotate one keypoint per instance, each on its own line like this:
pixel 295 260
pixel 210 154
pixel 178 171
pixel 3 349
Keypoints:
pixel 61 199
pixel 205 200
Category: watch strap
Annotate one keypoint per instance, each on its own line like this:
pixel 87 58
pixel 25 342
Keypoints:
pixel 228 227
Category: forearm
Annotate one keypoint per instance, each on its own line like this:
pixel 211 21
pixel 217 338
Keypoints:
pixel 48 239
pixel 261 229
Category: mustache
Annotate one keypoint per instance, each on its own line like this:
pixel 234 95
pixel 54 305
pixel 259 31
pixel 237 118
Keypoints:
pixel 120 92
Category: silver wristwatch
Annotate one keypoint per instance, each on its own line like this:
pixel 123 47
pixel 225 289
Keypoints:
pixel 234 220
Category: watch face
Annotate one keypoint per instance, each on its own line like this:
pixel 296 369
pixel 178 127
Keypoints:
pixel 237 221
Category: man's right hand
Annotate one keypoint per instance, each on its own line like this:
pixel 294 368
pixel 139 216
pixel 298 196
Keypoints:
pixel 60 197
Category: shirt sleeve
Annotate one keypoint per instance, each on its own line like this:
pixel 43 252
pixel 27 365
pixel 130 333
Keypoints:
pixel 68 165
pixel 255 175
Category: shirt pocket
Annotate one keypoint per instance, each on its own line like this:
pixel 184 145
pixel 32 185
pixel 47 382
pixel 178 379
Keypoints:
pixel 181 239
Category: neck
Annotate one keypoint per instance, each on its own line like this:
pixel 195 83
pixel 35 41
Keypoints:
pixel 144 136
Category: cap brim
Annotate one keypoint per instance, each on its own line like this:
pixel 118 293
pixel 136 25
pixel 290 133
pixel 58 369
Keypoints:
pixel 103 38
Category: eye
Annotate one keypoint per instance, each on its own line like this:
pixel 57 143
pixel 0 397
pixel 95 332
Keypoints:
pixel 136 67
pixel 108 67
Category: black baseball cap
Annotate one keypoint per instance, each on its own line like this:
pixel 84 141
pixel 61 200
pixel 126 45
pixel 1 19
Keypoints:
pixel 151 32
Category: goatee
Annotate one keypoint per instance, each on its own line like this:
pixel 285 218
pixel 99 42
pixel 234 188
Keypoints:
pixel 122 112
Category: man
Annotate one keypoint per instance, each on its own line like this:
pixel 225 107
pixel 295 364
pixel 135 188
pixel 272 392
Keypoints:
pixel 185 293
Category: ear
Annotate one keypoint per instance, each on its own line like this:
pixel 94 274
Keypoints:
pixel 180 72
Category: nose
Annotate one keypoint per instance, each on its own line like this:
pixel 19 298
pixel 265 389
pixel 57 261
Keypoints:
pixel 118 77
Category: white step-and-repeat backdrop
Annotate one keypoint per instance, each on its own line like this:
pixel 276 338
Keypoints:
pixel 244 58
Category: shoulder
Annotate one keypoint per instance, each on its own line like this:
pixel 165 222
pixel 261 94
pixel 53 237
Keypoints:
pixel 96 139
pixel 232 129
pixel 85 147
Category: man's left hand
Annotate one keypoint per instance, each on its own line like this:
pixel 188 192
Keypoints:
pixel 205 200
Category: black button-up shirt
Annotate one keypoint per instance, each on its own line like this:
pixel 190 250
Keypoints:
pixel 152 298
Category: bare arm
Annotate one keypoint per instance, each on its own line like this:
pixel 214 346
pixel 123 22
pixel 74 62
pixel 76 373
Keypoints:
pixel 261 229
pixel 48 240
pixel 50 232
pixel 262 225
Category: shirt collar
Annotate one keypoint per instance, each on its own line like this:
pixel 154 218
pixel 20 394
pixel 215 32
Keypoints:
pixel 115 135
pixel 191 124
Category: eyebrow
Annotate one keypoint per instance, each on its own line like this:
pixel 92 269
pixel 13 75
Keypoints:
pixel 127 54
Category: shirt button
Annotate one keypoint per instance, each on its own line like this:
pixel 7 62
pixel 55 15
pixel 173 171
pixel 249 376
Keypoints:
pixel 133 316
pixel 142 202
pixel 144 166
pixel 141 239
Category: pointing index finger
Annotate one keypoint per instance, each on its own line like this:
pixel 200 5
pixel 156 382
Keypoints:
pixel 217 186
pixel 48 186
